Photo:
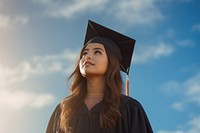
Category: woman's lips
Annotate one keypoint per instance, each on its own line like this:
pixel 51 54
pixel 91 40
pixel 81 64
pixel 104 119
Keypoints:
pixel 87 63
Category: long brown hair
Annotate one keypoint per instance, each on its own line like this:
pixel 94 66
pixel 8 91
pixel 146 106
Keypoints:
pixel 110 112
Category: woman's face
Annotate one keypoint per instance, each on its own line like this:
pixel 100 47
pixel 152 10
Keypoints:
pixel 94 60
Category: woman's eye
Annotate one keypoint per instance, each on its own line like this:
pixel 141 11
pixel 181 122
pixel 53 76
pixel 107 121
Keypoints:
pixel 97 52
pixel 84 53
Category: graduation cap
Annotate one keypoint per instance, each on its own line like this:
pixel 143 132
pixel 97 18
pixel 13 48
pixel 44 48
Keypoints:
pixel 120 45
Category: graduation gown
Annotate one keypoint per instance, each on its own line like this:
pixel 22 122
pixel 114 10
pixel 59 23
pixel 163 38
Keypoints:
pixel 133 120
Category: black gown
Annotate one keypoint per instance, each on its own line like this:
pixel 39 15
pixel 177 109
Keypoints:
pixel 133 120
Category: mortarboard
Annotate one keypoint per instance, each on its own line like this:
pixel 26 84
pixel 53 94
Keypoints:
pixel 120 45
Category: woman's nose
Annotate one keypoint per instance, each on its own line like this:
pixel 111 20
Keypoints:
pixel 88 57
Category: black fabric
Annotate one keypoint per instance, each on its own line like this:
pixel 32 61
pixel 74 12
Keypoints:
pixel 133 120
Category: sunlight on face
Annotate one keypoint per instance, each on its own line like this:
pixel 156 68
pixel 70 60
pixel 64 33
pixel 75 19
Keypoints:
pixel 94 60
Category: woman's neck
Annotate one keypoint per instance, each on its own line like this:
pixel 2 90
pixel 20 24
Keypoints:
pixel 95 87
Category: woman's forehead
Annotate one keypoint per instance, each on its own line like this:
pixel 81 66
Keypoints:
pixel 94 45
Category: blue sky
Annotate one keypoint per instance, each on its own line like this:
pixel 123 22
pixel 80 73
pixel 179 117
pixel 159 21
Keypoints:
pixel 40 40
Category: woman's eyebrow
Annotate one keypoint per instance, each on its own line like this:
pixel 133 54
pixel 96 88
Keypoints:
pixel 86 49
pixel 98 49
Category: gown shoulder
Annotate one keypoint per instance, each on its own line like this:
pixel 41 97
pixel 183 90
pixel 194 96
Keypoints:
pixel 134 116
pixel 53 125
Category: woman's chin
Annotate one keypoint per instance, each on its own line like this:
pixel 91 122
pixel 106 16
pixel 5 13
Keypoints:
pixel 91 74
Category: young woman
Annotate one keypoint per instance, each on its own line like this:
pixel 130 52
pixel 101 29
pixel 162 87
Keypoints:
pixel 96 103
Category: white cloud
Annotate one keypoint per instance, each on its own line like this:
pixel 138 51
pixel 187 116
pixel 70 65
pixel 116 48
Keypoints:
pixel 189 90
pixel 188 1
pixel 171 87
pixel 196 27
pixel 71 9
pixel 192 87
pixel 37 66
pixel 186 43
pixel 191 126
pixel 185 1
pixel 66 55
pixel 11 22
pixel 162 131
pixel 45 2
pixel 135 12
pixel 191 68
pixel 151 52
pixel 178 106
pixel 20 99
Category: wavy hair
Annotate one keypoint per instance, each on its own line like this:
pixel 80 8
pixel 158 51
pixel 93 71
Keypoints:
pixel 110 112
